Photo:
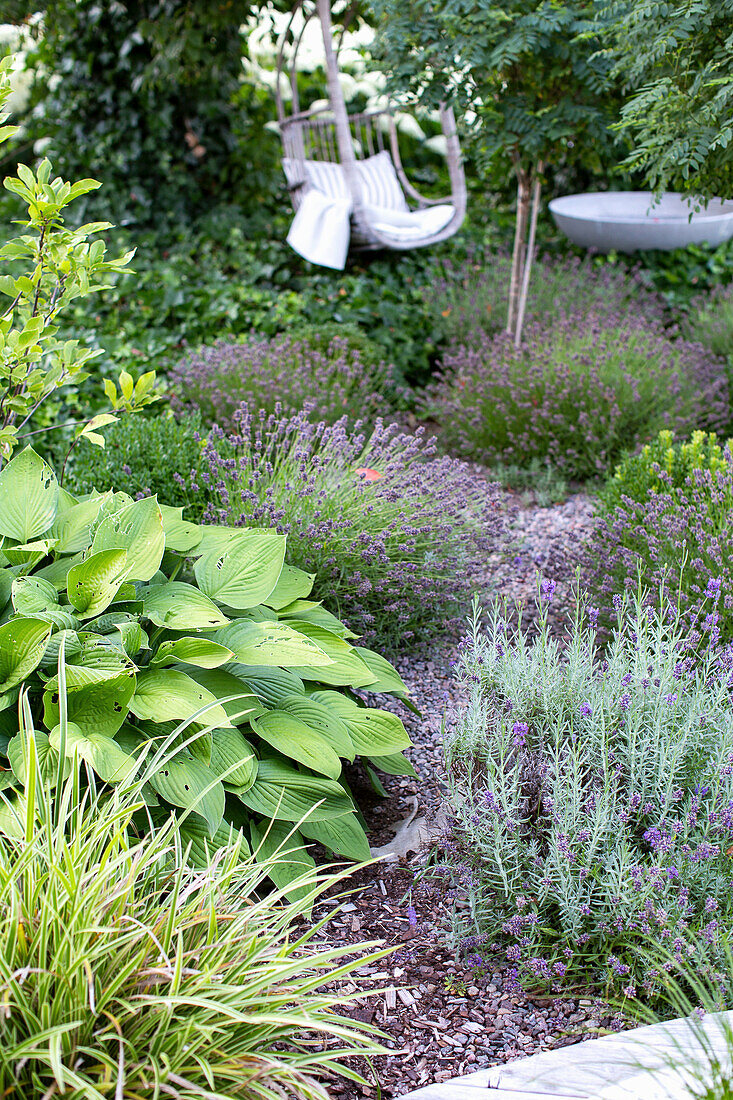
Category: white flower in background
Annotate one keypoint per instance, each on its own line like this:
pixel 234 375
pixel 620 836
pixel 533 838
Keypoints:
pixel 16 41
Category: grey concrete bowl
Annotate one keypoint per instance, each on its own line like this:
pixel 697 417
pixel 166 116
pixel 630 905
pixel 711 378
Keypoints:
pixel 632 220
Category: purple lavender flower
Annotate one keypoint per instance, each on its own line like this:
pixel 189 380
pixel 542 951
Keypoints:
pixel 547 588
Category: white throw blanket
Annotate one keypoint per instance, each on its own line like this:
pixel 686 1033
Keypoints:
pixel 320 230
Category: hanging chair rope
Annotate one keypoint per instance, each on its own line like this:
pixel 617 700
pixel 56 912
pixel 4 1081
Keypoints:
pixel 330 134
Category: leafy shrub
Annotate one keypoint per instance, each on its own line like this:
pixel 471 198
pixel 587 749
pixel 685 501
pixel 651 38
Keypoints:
pixel 127 972
pixel 575 394
pixel 390 529
pixel 142 455
pixel 329 373
pixel 673 532
pixel 662 465
pixel 472 297
pixel 195 637
pixel 593 795
pixel 710 322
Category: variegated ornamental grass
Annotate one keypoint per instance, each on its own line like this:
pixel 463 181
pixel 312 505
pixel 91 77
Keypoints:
pixel 127 973
pixel 194 648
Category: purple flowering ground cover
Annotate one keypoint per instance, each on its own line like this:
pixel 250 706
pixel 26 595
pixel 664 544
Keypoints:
pixel 391 529
pixel 592 794
pixel 578 393
pixel 668 525
pixel 336 379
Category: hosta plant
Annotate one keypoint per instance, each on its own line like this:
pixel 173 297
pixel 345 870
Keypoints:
pixel 199 638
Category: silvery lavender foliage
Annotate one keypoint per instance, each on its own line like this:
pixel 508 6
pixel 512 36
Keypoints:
pixel 337 380
pixel 471 297
pixel 593 796
pixel 577 393
pixel 678 541
pixel 391 529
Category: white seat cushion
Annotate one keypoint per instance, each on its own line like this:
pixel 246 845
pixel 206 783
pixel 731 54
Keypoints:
pixel 412 225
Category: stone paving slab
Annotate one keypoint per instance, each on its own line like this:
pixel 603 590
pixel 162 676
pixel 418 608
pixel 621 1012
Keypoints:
pixel 632 1065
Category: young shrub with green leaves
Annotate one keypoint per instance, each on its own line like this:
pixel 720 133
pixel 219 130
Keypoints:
pixel 196 637
pixel 45 269
pixel 128 973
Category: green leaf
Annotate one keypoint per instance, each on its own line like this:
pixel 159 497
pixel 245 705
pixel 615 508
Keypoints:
pixel 293 738
pixel 93 583
pixel 46 755
pixel 272 685
pixel 186 782
pixel 180 535
pixel 192 651
pixel 283 794
pixel 229 748
pixel 110 762
pixel 180 606
pixel 272 643
pixel 292 584
pixel 28 497
pixel 396 764
pixel 100 707
pixel 327 724
pixel 311 612
pixel 72 528
pixel 223 684
pixel 344 836
pixel 164 695
pixel 373 732
pixel 245 572
pixel 194 831
pixel 31 595
pixel 22 646
pixel 388 678
pixel 347 669
pixel 281 847
pixel 138 529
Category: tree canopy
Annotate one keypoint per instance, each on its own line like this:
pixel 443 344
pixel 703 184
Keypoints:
pixel 676 60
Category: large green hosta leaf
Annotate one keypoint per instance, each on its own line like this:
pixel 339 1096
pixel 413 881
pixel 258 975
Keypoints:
pixel 292 584
pixel 270 684
pixel 180 606
pixel 93 583
pixel 245 572
pixel 180 535
pixel 28 497
pixel 165 694
pixel 194 831
pixel 283 794
pixel 272 643
pixel 388 678
pixel 184 781
pixel 202 652
pixel 108 759
pixel 373 732
pixel 327 724
pixel 31 595
pixel 223 684
pixel 138 529
pixel 22 646
pixel 396 764
pixel 293 738
pixel 233 759
pixel 72 527
pixel 287 858
pixel 344 836
pixel 313 613
pixel 46 755
pixel 347 667
pixel 97 708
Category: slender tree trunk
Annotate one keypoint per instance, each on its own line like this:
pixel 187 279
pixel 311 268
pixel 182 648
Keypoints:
pixel 529 257
pixel 523 200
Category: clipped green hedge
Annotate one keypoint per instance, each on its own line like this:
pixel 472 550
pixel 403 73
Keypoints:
pixel 132 632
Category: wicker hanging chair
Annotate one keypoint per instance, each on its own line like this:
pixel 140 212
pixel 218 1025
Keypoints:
pixel 330 148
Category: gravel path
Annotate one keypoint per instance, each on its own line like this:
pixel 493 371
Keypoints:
pixel 443 1019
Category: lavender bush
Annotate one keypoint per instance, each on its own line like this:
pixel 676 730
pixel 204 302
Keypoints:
pixel 593 796
pixel 711 321
pixel 676 537
pixel 577 394
pixel 338 376
pixel 471 298
pixel 391 530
